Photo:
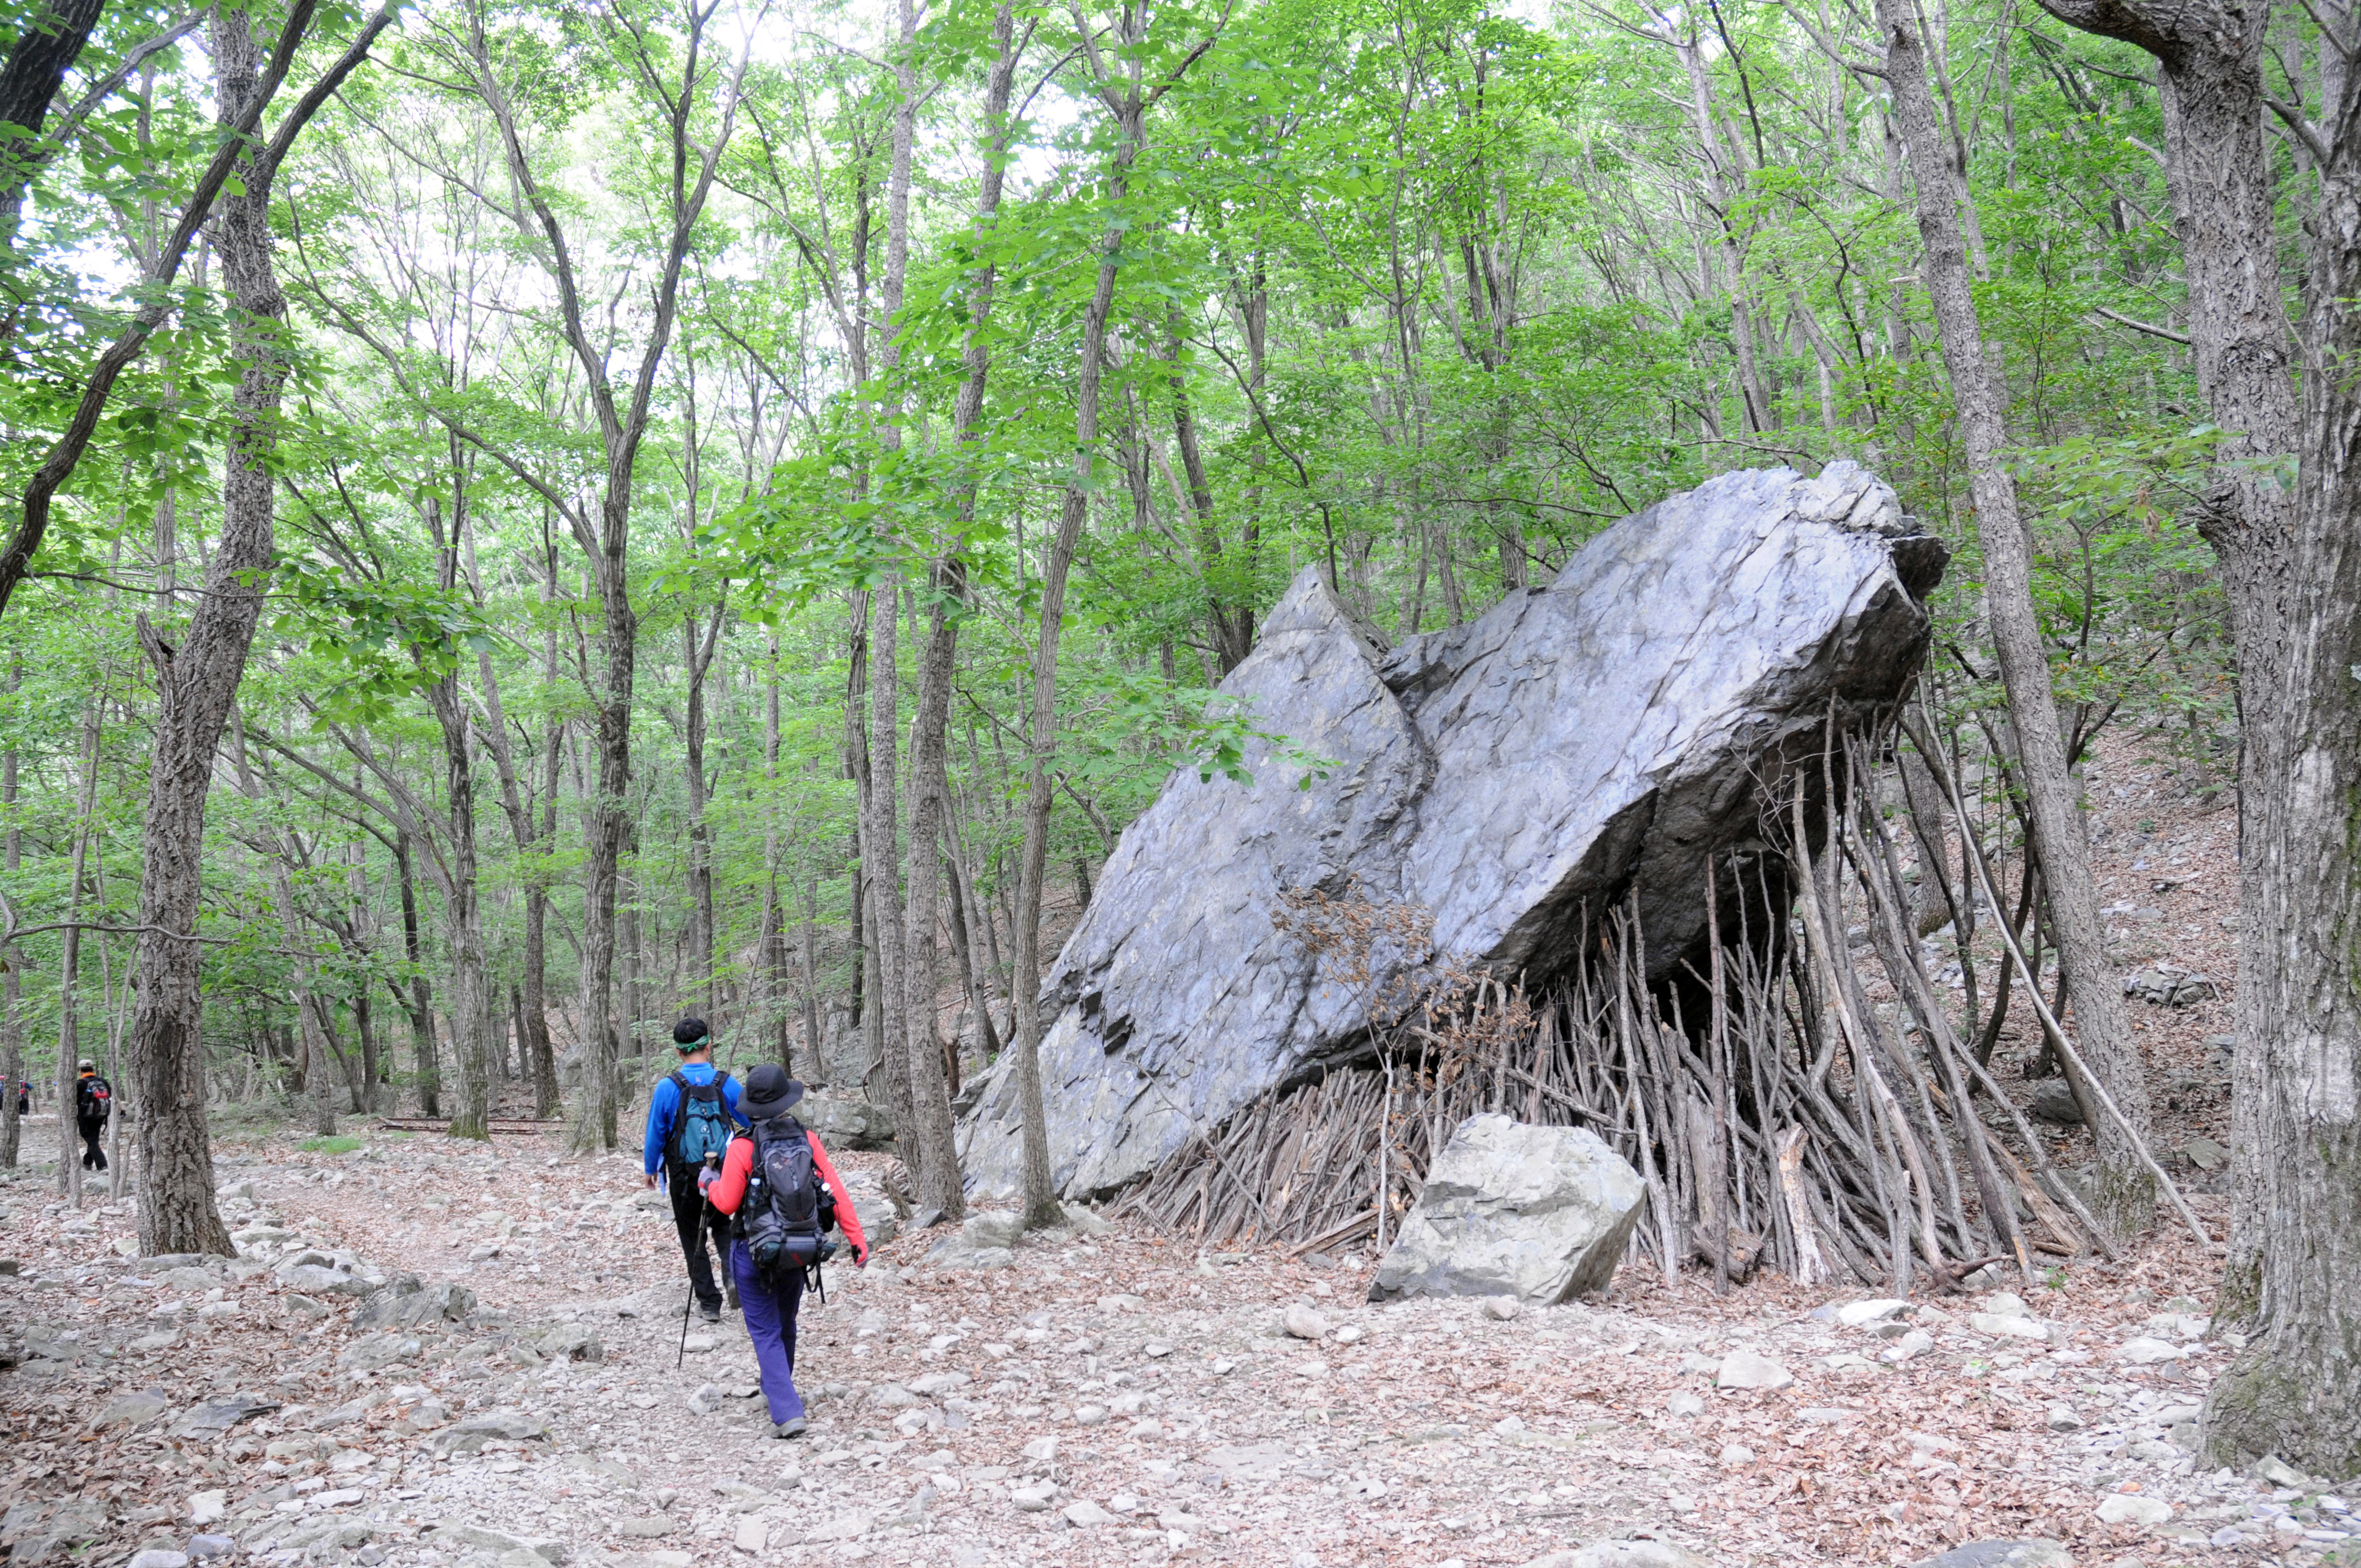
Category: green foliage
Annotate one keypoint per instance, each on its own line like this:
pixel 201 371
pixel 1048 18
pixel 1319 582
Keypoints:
pixel 1418 296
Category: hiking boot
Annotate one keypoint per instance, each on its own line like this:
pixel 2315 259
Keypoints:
pixel 795 1428
pixel 709 1312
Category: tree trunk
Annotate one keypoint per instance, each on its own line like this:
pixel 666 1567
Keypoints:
pixel 473 1006
pixel 196 683
pixel 2295 1390
pixel 316 1078
pixel 2218 172
pixel 12 990
pixel 700 847
pixel 2125 1200
pixel 419 999
pixel 1124 99
pixel 70 963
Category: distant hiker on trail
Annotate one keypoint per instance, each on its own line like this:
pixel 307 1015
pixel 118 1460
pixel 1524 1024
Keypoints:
pixel 94 1104
pixel 691 1115
pixel 783 1193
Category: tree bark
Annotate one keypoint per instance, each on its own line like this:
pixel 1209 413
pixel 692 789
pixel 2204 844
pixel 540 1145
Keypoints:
pixel 196 683
pixel 1117 78
pixel 12 991
pixel 2218 174
pixel 2125 1199
pixel 418 1001
pixel 281 855
pixel 700 656
pixel 2295 1390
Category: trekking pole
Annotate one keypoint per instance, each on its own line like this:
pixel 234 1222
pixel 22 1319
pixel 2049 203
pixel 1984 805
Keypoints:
pixel 704 1214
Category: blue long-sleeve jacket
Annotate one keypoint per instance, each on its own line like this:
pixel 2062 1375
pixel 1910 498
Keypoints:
pixel 663 1105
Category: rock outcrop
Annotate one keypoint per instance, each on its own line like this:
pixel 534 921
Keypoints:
pixel 1579 745
pixel 1538 1213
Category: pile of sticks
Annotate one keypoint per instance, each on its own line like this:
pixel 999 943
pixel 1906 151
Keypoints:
pixel 1825 1114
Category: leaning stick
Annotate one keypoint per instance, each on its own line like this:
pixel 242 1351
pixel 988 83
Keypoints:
pixel 2057 1034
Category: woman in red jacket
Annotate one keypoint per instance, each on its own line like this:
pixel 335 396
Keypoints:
pixel 770 1299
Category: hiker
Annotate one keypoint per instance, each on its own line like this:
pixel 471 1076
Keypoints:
pixel 782 1193
pixel 691 1115
pixel 93 1103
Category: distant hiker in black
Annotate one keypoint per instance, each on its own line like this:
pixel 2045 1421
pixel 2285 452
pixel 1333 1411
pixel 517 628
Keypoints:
pixel 691 1115
pixel 94 1104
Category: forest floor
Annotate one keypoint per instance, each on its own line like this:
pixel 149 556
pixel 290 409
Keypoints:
pixel 1114 1396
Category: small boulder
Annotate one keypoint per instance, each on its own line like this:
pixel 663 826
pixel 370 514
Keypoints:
pixel 1500 1309
pixel 1087 1515
pixel 2126 1507
pixel 135 1411
pixel 2054 1102
pixel 2002 1326
pixel 2146 1351
pixel 844 1122
pixel 1543 1213
pixel 1303 1322
pixel 1860 1314
pixel 2002 1554
pixel 2205 1154
pixel 1748 1369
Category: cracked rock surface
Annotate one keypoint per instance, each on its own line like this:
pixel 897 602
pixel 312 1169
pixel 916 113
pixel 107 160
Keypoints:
pixel 1580 744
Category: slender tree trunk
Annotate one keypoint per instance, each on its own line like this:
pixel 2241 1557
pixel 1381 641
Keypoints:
pixel 778 980
pixel 700 849
pixel 1125 101
pixel 196 682
pixel 70 963
pixel 419 1000
pixel 473 998
pixel 2125 1200
pixel 316 1077
pixel 12 992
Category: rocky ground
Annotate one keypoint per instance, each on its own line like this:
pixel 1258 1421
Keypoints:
pixel 438 1354
pixel 1103 1396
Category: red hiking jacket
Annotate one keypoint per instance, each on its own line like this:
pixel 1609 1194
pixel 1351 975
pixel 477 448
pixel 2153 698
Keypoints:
pixel 729 1188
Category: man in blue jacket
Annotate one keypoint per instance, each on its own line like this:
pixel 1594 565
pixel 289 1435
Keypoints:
pixel 691 1115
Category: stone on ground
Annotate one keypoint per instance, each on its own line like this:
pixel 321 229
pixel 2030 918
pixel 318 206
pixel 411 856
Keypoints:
pixel 1540 1213
pixel 1748 1369
pixel 1303 1322
pixel 2123 1507
pixel 2002 1554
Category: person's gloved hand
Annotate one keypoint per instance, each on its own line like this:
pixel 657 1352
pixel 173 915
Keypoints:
pixel 860 1255
pixel 706 1178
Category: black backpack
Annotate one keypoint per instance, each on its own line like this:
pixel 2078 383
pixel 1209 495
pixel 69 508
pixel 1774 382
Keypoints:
pixel 785 1207
pixel 93 1100
pixel 702 1124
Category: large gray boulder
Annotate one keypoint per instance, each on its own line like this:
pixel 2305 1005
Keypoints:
pixel 1578 745
pixel 1540 1214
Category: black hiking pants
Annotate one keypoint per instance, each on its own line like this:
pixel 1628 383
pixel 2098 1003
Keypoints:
pixel 689 1217
pixel 93 1155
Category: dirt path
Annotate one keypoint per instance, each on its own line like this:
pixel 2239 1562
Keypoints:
pixel 1155 1389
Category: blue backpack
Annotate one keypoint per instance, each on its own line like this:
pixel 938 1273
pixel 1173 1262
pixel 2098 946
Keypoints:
pixel 701 1125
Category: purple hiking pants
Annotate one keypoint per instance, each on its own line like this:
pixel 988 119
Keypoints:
pixel 770 1324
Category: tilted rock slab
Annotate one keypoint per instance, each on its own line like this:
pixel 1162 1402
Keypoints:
pixel 1577 745
pixel 1537 1213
